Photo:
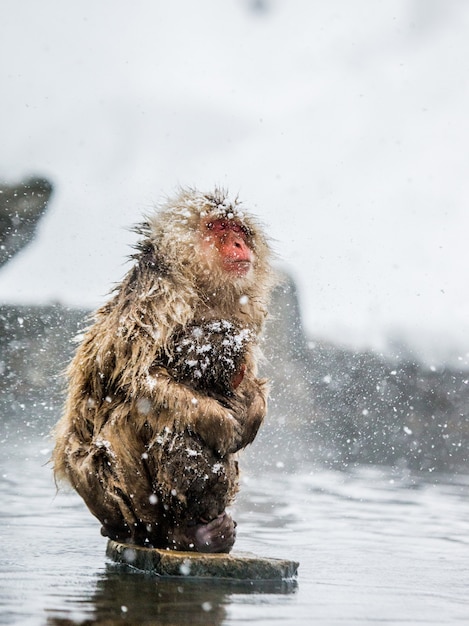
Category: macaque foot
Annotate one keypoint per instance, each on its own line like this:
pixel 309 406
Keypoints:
pixel 218 535
pixel 116 534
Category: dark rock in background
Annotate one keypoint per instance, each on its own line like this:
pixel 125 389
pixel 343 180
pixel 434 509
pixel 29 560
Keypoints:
pixel 21 207
pixel 373 410
pixel 337 406
pixel 35 347
pixel 328 404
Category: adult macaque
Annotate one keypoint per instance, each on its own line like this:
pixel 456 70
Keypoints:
pixel 149 444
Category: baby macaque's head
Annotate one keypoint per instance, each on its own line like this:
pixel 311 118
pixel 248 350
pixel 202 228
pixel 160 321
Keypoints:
pixel 209 356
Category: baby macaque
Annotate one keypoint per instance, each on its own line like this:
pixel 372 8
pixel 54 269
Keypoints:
pixel 163 389
pixel 209 356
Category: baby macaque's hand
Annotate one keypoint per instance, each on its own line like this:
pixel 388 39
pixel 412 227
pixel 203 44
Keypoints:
pixel 238 377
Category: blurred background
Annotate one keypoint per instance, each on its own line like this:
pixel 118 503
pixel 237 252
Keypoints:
pixel 342 125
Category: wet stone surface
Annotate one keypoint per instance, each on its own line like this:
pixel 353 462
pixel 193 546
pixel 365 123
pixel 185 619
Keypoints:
pixel 235 566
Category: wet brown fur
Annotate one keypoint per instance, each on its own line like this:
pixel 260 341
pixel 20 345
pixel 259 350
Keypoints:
pixel 147 451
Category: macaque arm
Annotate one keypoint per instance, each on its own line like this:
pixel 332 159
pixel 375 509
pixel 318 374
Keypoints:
pixel 129 360
pixel 188 409
pixel 250 403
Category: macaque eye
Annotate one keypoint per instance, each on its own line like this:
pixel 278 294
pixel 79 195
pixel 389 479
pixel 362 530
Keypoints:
pixel 218 226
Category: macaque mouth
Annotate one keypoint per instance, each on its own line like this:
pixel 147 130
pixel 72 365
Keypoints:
pixel 238 266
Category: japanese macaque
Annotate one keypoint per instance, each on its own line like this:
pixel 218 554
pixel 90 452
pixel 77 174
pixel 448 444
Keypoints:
pixel 163 389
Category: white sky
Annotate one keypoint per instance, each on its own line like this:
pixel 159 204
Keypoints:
pixel 343 125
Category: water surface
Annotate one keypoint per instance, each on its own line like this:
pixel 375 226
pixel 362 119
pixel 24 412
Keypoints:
pixel 375 545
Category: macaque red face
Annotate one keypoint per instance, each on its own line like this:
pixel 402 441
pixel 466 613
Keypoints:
pixel 225 243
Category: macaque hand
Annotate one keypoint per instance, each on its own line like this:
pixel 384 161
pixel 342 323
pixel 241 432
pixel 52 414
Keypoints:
pixel 223 432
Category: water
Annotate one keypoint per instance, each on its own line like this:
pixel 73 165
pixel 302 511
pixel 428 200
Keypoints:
pixel 375 545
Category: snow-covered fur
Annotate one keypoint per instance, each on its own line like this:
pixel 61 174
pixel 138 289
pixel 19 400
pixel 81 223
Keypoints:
pixel 210 356
pixel 146 450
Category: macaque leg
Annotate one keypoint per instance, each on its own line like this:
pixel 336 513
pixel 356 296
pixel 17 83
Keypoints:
pixel 195 485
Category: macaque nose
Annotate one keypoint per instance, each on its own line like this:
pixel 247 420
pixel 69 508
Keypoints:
pixel 240 249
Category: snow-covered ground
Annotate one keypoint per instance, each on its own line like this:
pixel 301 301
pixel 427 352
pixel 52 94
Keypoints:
pixel 343 125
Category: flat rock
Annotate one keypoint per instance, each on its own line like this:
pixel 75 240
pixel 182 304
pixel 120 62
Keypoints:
pixel 237 566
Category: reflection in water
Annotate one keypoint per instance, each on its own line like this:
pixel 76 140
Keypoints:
pixel 374 545
pixel 144 599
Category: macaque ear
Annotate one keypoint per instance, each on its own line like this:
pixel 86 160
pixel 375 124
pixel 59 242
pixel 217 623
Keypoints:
pixel 150 260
